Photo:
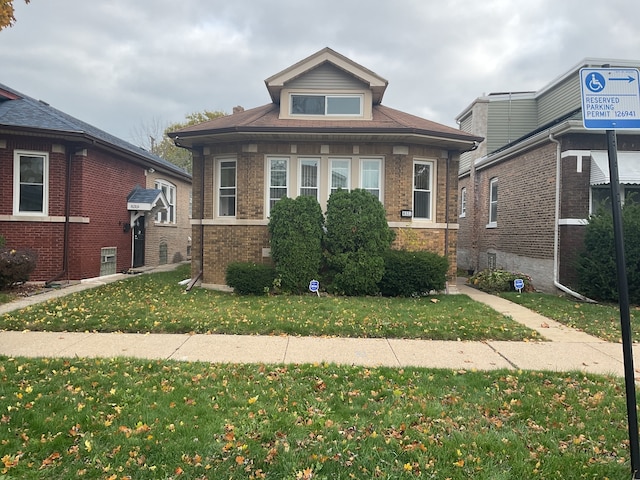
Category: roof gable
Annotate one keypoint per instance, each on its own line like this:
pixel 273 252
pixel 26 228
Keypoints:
pixel 320 59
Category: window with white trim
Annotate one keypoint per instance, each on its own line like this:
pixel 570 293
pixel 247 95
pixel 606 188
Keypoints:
pixel 422 189
pixel 340 105
pixel 601 196
pixel 226 188
pixel 169 190
pixel 309 177
pixel 493 202
pixel 278 179
pixel 371 176
pixel 463 202
pixel 340 173
pixel 30 183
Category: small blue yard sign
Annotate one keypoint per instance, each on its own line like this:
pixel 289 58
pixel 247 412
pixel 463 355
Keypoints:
pixel 314 285
pixel 518 284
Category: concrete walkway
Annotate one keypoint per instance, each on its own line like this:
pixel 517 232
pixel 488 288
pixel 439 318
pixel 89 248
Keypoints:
pixel 567 350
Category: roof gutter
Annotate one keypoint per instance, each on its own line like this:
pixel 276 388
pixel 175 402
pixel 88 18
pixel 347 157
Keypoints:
pixel 463 142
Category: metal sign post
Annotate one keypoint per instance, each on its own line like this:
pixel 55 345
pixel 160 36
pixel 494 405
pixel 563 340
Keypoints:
pixel 623 294
pixel 611 100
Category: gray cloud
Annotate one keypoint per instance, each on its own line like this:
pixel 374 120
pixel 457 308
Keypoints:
pixel 119 64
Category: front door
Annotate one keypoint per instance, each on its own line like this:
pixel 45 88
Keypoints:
pixel 138 242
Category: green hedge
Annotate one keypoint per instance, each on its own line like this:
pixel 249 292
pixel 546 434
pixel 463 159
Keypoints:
pixel 250 278
pixel 597 274
pixel 409 274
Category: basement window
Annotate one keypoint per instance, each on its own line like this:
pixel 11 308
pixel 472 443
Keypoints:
pixel 108 261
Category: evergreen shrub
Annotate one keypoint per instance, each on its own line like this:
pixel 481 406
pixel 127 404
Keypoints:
pixel 413 273
pixel 248 278
pixel 296 230
pixel 357 236
pixel 597 273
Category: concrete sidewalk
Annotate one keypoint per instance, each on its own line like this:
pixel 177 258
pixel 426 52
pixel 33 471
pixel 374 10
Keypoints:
pixel 567 349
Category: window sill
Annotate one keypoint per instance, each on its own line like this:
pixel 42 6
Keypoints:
pixel 492 225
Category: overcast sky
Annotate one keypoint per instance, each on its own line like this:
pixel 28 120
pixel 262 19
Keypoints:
pixel 121 64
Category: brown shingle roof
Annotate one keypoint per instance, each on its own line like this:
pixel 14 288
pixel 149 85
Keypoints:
pixel 266 119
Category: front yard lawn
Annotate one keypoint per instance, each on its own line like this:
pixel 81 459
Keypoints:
pixel 123 419
pixel 156 303
pixel 599 320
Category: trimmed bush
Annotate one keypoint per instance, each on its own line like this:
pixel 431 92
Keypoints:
pixel 410 273
pixel 16 266
pixel 357 236
pixel 296 229
pixel 596 267
pixel 496 281
pixel 248 278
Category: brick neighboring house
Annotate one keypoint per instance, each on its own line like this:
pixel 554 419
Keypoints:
pixel 324 129
pixel 72 193
pixel 527 192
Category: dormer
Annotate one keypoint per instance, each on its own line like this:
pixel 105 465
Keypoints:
pixel 326 86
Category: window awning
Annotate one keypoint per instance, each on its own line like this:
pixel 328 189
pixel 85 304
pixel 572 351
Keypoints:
pixel 628 167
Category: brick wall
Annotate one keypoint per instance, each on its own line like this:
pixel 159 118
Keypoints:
pixel 245 242
pixel 99 188
pixel 175 236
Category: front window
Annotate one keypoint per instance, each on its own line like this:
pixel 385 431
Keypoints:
pixel 422 190
pixel 227 188
pixel 339 174
pixel 601 196
pixel 169 190
pixel 278 175
pixel 370 176
pixel 493 202
pixel 463 202
pixel 31 183
pixel 309 177
pixel 349 105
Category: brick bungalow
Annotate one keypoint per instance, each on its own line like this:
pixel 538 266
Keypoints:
pixel 527 192
pixel 73 193
pixel 324 129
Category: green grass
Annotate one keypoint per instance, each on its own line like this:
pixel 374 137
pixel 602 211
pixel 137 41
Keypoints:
pixel 156 303
pixel 600 320
pixel 124 419
pixel 6 297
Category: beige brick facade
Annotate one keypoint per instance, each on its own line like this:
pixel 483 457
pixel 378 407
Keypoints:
pixel 245 237
pixel 169 242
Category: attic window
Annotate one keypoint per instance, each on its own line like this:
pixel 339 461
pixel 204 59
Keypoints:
pixel 346 105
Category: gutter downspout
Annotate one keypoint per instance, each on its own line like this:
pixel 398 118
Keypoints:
pixel 446 214
pixel 200 151
pixel 556 229
pixel 67 215
pixel 199 275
